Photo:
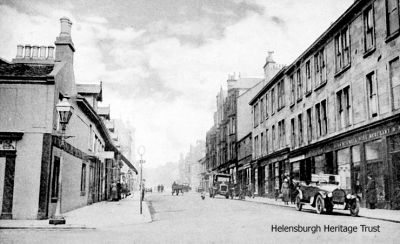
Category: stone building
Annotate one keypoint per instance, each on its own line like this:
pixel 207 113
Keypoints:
pixel 36 169
pixel 335 109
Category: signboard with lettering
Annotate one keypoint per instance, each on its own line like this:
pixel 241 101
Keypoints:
pixel 8 145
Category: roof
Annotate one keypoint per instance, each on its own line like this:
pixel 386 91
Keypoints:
pixel 24 70
pixel 104 111
pixel 268 85
pixel 95 89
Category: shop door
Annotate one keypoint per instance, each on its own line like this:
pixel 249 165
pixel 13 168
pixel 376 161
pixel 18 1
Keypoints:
pixel 395 198
pixel 375 169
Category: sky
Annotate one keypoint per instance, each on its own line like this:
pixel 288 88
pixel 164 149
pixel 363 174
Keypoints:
pixel 162 62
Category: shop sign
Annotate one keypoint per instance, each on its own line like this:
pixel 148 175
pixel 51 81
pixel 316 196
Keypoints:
pixel 8 145
pixel 365 136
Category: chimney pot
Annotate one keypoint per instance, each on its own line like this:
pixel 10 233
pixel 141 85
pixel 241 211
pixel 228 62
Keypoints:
pixel 20 50
pixel 42 52
pixel 65 26
pixel 50 52
pixel 27 51
pixel 35 51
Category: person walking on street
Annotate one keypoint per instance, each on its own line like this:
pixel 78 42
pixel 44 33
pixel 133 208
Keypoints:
pixel 371 192
pixel 285 191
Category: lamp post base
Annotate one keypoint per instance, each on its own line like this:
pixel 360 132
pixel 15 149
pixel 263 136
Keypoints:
pixel 59 220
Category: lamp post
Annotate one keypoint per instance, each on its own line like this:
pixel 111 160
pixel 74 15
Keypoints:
pixel 141 151
pixel 64 110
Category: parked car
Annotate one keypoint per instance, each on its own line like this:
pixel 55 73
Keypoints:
pixel 324 194
pixel 220 185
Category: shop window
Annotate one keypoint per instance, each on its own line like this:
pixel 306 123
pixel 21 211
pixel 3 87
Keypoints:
pixel 371 93
pixel 343 162
pixel 356 155
pixel 373 150
pixel 296 171
pixel 356 177
pixel 319 164
pixel 55 178
pixel 392 17
pixel 369 29
pixel 394 72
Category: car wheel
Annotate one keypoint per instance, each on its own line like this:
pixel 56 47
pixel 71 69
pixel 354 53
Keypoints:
pixel 355 208
pixel 299 205
pixel 319 204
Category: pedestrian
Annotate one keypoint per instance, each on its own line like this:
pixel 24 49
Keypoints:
pixel 371 192
pixel 292 190
pixel 285 191
pixel 114 192
pixel 251 189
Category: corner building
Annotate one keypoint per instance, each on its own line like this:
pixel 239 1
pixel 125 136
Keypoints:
pixel 337 107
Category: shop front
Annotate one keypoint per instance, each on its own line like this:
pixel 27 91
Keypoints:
pixel 370 151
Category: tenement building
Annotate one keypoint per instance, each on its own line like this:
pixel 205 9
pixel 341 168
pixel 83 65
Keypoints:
pixel 42 169
pixel 336 108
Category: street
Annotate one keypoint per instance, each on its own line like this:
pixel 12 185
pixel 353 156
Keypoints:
pixel 188 219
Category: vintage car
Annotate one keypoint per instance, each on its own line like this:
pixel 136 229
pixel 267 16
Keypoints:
pixel 324 194
pixel 220 185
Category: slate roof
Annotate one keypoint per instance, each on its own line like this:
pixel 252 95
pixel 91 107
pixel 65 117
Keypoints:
pixel 24 70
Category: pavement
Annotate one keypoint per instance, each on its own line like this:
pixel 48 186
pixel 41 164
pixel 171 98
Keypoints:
pixel 379 214
pixel 105 214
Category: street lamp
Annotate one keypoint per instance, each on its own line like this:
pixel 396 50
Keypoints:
pixel 141 151
pixel 64 110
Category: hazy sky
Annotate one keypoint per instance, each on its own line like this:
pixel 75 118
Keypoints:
pixel 162 62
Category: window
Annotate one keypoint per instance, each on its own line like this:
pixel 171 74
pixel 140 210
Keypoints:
pixel 266 105
pixel 300 128
pixel 392 17
pixel 394 73
pixel 262 143
pixel 369 29
pixel 308 77
pixel 371 95
pixel 256 146
pixel 321 119
pixel 292 89
pixel 55 178
pixel 83 178
pixel 324 118
pixel 299 85
pixel 293 133
pixel 342 49
pixel 320 69
pixel 343 108
pixel 266 142
pixel 273 138
pixel 262 115
pixel 281 128
pixel 273 101
pixel 281 94
pixel 309 125
pixel 256 114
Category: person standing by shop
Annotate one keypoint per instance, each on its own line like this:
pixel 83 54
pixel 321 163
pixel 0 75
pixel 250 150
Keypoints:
pixel 371 192
pixel 285 191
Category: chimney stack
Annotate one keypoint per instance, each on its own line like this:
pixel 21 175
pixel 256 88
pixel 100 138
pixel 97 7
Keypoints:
pixel 42 52
pixel 50 52
pixel 20 50
pixel 35 52
pixel 65 27
pixel 27 51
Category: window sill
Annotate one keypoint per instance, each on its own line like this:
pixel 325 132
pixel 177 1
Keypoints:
pixel 292 105
pixel 369 52
pixel 54 199
pixel 320 86
pixel 392 36
pixel 308 93
pixel 344 69
pixel 299 99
